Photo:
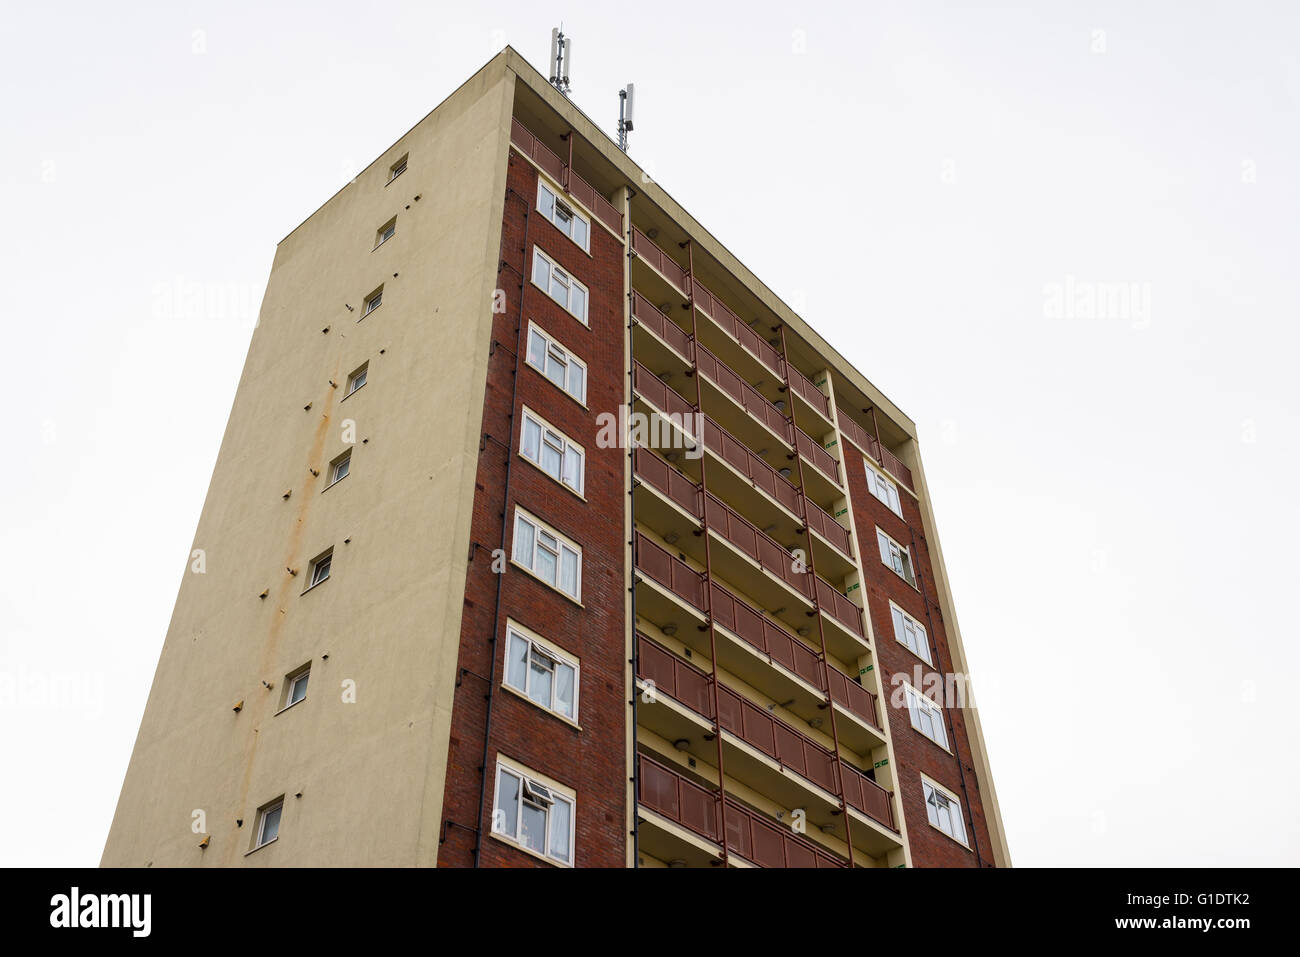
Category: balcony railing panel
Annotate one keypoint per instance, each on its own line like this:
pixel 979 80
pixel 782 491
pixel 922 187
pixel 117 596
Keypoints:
pixel 758 545
pixel 868 797
pixel 778 740
pixel 645 247
pixel 818 456
pixel 657 563
pixel 839 607
pixel 674 677
pixel 657 392
pixel 808 389
pixel 894 466
pixel 848 693
pixel 577 187
pixel 684 802
pixel 645 313
pixel 829 529
pixel 765 635
pixel 860 437
pixel 738 455
pixel 653 470
pixel 730 323
pixel 753 401
pixel 769 844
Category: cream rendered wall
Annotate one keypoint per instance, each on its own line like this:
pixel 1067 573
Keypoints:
pixel 370 773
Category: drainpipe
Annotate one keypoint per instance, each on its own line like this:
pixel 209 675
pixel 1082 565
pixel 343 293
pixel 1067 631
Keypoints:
pixel 631 505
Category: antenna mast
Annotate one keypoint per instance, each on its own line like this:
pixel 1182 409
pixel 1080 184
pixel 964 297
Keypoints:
pixel 561 59
pixel 626 101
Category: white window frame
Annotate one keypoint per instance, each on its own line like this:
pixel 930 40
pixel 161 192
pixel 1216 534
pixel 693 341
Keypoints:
pixel 293 682
pixel 553 350
pixel 314 577
pixel 884 541
pixel 343 460
pixel 529 562
pixel 924 712
pixel 540 646
pixel 884 489
pixel 931 787
pixel 362 371
pixel 398 168
pixel 373 302
pixel 260 839
pixel 540 792
pixel 385 232
pixel 557 273
pixel 559 199
pixel 905 623
pixel 548 436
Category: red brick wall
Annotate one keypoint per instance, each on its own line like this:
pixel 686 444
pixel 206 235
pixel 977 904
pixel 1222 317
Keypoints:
pixel 592 761
pixel 914 753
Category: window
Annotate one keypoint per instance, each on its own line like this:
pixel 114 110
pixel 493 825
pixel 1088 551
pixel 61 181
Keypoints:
pixel 551 451
pixel 559 285
pixel 386 232
pixel 556 363
pixel 944 810
pixel 572 224
pixel 911 633
pixel 373 301
pixel 533 814
pixel 541 671
pixel 295 686
pixel 548 555
pixel 883 489
pixel 927 716
pixel 320 569
pixel 356 380
pixel 897 557
pixel 268 823
pixel 398 168
pixel 339 468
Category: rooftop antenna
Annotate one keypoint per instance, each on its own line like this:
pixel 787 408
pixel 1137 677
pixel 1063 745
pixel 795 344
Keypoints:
pixel 626 101
pixel 561 59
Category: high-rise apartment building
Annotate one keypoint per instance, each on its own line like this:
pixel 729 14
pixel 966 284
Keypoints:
pixel 543 533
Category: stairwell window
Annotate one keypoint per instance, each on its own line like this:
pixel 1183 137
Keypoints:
pixel 547 554
pixel 910 633
pixel 373 302
pixel 884 489
pixel 897 557
pixel 564 217
pixel 551 450
pixel 386 232
pixel 320 569
pixel 295 687
pixel 559 285
pixel 533 813
pixel 268 823
pixel 356 380
pixel 541 671
pixel 927 716
pixel 340 467
pixel 397 169
pixel 556 363
pixel 943 810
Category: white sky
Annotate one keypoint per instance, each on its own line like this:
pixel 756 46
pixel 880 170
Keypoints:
pixel 1109 490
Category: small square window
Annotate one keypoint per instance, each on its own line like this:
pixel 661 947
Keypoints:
pixel 298 688
pixel 386 232
pixel 268 823
pixel 356 380
pixel 339 467
pixel 398 168
pixel 373 302
pixel 320 569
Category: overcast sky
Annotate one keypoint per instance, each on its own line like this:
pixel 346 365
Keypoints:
pixel 1061 236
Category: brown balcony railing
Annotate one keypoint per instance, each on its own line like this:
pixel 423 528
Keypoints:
pixel 860 437
pixel 655 391
pixel 730 323
pixel 868 797
pixel 726 446
pixel 839 607
pixel 684 802
pixel 769 844
pixel 753 401
pixel 826 526
pixel 851 695
pixel 657 563
pixel 577 187
pixel 769 734
pixel 645 313
pixel 765 635
pixel 678 679
pixel 757 544
pixel 894 466
pixel 807 388
pixel 818 456
pixel 654 471
pixel 645 247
